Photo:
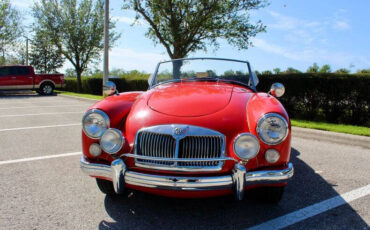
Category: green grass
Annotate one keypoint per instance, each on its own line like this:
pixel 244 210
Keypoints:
pixel 339 128
pixel 351 129
pixel 82 95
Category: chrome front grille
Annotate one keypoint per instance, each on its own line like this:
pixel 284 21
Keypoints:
pixel 180 142
pixel 156 145
pixel 200 147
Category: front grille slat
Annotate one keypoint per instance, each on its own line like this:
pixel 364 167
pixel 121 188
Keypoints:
pixel 163 145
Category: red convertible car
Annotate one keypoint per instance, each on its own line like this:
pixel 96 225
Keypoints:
pixel 200 130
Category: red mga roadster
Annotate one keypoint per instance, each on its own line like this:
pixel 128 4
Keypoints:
pixel 201 130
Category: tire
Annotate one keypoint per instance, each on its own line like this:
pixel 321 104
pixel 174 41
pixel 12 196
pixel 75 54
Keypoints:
pixel 47 89
pixel 270 194
pixel 106 187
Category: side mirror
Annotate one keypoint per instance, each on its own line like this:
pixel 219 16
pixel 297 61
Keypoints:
pixel 277 90
pixel 109 89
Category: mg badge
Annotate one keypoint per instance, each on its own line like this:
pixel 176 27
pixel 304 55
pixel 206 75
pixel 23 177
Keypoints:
pixel 178 131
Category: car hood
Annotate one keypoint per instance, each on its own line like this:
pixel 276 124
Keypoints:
pixel 190 99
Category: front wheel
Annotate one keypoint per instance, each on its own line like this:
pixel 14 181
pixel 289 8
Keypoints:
pixel 106 186
pixel 46 89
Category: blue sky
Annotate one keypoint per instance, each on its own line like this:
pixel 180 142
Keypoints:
pixel 333 32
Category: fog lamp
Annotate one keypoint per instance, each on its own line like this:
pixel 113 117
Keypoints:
pixel 272 156
pixel 95 150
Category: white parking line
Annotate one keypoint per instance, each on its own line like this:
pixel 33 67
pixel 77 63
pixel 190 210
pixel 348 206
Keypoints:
pixel 39 158
pixel 39 127
pixel 313 210
pixel 37 114
pixel 46 106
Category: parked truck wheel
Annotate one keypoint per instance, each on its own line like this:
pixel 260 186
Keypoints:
pixel 46 89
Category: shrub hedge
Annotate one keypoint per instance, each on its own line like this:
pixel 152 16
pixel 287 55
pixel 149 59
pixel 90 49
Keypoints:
pixel 329 97
pixel 334 98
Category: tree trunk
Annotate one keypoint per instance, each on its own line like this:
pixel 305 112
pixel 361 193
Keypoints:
pixel 79 82
pixel 176 69
pixel 177 64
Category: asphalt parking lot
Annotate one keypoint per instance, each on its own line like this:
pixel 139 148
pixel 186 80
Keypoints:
pixel 42 187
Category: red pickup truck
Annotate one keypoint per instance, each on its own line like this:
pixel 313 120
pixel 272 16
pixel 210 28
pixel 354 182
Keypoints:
pixel 24 77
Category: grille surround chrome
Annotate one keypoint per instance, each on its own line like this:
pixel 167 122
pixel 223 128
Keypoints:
pixel 179 132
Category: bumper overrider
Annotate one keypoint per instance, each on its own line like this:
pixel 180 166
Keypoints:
pixel 237 181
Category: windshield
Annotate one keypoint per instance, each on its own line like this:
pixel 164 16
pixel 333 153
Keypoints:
pixel 203 69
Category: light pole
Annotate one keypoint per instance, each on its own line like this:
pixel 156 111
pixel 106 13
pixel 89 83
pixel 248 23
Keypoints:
pixel 27 39
pixel 106 45
pixel 26 50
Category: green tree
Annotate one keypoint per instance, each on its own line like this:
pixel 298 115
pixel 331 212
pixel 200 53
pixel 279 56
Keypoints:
pixel 70 72
pixel 363 71
pixel 10 28
pixel 76 28
pixel 183 27
pixel 266 72
pixel 342 70
pixel 292 70
pixel 277 70
pixel 45 55
pixel 313 69
pixel 325 69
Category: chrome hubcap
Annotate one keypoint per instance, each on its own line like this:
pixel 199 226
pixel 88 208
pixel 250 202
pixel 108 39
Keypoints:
pixel 47 89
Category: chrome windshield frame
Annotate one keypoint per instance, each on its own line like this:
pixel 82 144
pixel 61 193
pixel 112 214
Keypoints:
pixel 152 78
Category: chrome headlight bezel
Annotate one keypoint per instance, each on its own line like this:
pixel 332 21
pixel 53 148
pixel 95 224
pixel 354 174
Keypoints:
pixel 259 131
pixel 105 118
pixel 120 137
pixel 248 135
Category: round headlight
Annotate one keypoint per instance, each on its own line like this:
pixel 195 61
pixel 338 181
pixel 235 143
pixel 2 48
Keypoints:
pixel 246 146
pixel 112 141
pixel 272 156
pixel 272 129
pixel 94 123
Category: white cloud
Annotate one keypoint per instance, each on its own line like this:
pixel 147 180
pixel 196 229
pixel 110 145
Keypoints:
pixel 311 55
pixel 340 22
pixel 341 25
pixel 284 22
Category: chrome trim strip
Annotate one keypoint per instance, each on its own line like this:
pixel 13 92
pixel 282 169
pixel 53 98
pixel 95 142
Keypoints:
pixel 118 175
pixel 93 169
pixel 270 176
pixel 178 159
pixel 238 180
pixel 178 182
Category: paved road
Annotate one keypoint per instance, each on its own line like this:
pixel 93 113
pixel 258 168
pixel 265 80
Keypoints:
pixel 53 193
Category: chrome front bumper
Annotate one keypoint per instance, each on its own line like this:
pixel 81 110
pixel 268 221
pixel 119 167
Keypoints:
pixel 238 181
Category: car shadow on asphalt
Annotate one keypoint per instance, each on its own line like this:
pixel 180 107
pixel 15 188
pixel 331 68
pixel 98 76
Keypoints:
pixel 145 211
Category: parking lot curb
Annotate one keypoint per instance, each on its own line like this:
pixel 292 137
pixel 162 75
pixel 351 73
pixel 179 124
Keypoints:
pixel 338 138
pixel 78 98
